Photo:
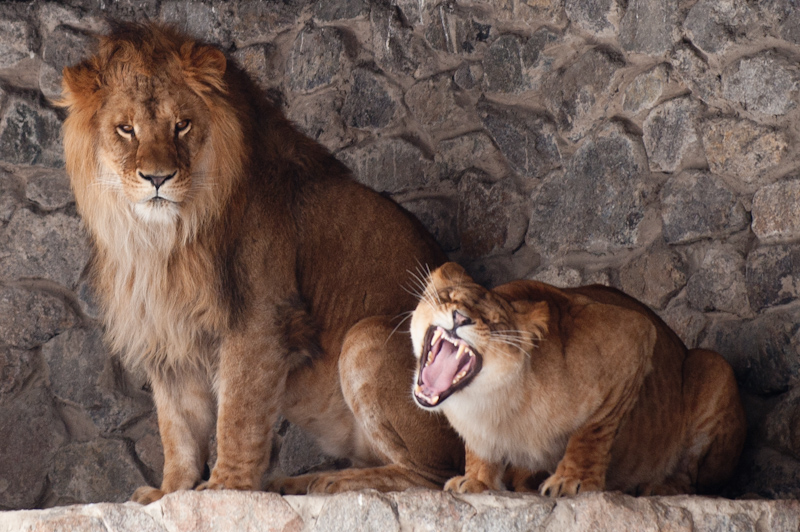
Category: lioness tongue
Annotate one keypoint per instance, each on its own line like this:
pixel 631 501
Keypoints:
pixel 437 377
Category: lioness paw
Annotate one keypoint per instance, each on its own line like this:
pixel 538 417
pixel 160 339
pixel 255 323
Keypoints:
pixel 146 495
pixel 465 485
pixel 559 486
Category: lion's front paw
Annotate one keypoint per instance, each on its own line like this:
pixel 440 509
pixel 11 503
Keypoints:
pixel 290 485
pixel 221 481
pixel 333 484
pixel 559 485
pixel 146 495
pixel 465 485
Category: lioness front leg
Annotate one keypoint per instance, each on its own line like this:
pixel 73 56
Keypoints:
pixel 480 475
pixel 252 378
pixel 585 462
pixel 185 408
pixel 588 454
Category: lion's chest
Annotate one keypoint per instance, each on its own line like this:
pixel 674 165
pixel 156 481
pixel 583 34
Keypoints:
pixel 161 312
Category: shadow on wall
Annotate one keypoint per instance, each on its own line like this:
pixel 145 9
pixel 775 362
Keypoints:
pixel 647 146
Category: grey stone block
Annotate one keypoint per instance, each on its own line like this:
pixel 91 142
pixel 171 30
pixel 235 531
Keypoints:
pixel 649 26
pixel 473 150
pixel 201 19
pixel 32 434
pixel 594 16
pixel 492 217
pixel 96 471
pixel 743 149
pixel 30 135
pixel 29 318
pixel 52 247
pixel 646 89
pixel 63 47
pixel 598 203
pixel 330 10
pixel 575 94
pixel 773 275
pixel 389 165
pixel 775 212
pixel 694 71
pixel 368 103
pixel 432 102
pixel 763 351
pixel 670 134
pixel 315 59
pixel 697 205
pixel 655 277
pixel 502 65
pixel 719 284
pixel 529 141
pixel 440 218
pixel 49 188
pixel 713 26
pixel 767 83
pixel 18 41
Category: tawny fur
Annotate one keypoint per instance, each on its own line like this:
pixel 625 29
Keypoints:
pixel 237 287
pixel 586 384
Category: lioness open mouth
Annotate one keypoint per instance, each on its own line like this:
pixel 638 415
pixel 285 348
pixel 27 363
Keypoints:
pixel 448 364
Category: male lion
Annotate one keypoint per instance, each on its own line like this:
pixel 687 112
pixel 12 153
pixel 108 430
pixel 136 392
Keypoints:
pixel 239 264
pixel 585 383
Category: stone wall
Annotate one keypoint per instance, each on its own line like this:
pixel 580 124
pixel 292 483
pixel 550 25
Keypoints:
pixel 646 144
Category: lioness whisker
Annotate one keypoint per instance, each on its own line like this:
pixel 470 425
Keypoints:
pixel 406 317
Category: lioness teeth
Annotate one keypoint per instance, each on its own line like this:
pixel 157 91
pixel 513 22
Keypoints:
pixel 460 376
pixel 430 357
pixel 461 348
pixel 436 335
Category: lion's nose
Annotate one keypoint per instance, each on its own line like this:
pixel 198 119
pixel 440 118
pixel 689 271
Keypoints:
pixel 157 180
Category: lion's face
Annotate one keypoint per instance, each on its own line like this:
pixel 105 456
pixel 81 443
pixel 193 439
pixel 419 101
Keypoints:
pixel 152 133
pixel 467 339
pixel 151 137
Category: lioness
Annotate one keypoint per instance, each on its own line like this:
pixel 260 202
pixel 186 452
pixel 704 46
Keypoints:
pixel 585 383
pixel 239 264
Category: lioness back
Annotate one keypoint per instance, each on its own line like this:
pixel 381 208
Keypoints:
pixel 585 383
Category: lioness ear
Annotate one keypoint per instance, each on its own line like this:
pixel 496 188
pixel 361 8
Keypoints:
pixel 532 317
pixel 449 274
pixel 204 67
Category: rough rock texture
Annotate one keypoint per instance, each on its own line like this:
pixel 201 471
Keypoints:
pixel 412 510
pixel 643 144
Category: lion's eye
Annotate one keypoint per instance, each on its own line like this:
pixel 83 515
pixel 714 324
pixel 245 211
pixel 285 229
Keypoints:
pixel 126 130
pixel 183 126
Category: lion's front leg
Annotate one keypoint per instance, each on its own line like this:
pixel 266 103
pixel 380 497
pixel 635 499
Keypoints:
pixel 185 408
pixel 252 379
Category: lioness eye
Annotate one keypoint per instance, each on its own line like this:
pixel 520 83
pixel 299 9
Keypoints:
pixel 126 130
pixel 182 126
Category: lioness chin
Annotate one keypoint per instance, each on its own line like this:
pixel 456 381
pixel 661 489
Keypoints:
pixel 585 383
pixel 239 264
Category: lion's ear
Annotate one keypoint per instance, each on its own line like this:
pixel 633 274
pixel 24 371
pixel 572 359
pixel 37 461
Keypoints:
pixel 78 82
pixel 532 317
pixel 449 274
pixel 204 67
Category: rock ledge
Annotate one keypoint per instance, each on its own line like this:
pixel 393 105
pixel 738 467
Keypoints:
pixel 410 510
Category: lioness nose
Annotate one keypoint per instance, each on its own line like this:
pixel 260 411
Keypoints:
pixel 157 180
